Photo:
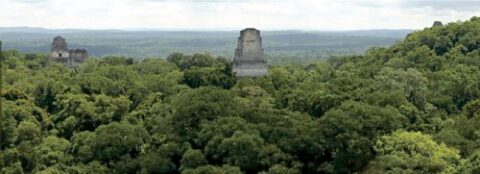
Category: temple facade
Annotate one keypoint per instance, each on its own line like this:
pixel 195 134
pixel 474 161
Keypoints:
pixel 249 55
pixel 61 54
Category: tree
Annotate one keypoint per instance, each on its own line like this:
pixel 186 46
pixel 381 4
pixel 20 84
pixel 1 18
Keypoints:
pixel 209 169
pixel 203 104
pixel 278 169
pixel 83 146
pixel 253 97
pixel 192 159
pixel 220 75
pixel 46 93
pixel 312 101
pixel 114 140
pixel 92 167
pixel 351 131
pixel 411 82
pixel 8 124
pixel 156 162
pixel 412 152
pixel 233 141
pixel 53 151
pixel 471 164
pixel 79 112
pixel 27 132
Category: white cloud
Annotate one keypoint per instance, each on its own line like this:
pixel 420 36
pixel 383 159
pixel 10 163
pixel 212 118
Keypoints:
pixel 234 14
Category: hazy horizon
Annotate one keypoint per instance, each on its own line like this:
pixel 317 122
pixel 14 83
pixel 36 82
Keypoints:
pixel 292 45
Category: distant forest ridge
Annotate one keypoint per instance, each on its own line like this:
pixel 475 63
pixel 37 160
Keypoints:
pixel 280 46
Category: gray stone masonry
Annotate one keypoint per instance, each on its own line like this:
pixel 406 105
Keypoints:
pixel 249 55
pixel 61 54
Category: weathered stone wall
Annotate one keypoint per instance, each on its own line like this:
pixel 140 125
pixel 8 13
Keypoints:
pixel 250 45
pixel 61 54
pixel 251 69
pixel 59 48
pixel 59 44
pixel 249 61
pixel 78 55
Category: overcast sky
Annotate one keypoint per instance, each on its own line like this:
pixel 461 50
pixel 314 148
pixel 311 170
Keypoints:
pixel 234 14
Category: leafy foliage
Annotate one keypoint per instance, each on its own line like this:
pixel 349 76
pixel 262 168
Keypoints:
pixel 412 152
pixel 410 108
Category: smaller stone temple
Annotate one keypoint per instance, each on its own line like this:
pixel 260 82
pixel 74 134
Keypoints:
pixel 249 55
pixel 61 54
pixel 437 24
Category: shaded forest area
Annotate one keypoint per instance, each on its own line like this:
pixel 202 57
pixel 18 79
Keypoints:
pixel 281 46
pixel 412 107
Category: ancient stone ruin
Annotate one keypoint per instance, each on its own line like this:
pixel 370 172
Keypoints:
pixel 59 51
pixel 78 55
pixel 437 24
pixel 249 61
pixel 61 54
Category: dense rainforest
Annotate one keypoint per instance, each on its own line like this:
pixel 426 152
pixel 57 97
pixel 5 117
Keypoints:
pixel 413 107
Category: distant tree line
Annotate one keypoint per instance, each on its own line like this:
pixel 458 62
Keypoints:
pixel 281 46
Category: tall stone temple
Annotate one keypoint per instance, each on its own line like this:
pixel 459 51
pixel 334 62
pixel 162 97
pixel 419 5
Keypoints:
pixel 249 55
pixel 61 54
